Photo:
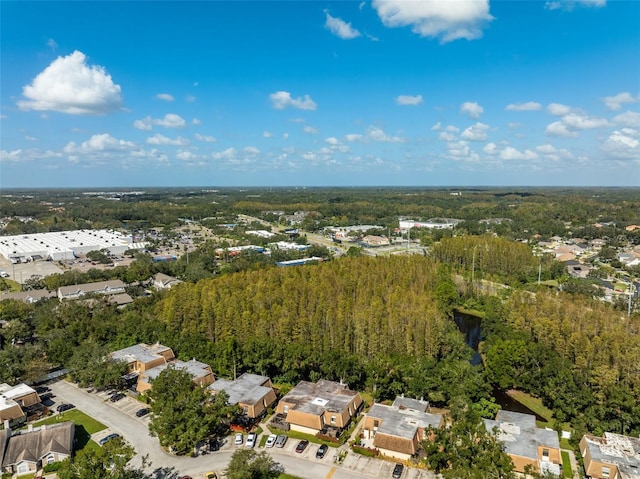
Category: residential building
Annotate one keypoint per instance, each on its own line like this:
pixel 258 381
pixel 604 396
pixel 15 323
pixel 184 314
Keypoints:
pixel 16 403
pixel 27 451
pixel 200 372
pixel 526 444
pixel 142 357
pixel 251 392
pixel 398 430
pixel 30 297
pixel 324 406
pixel 612 456
pixel 114 286
pixel 164 281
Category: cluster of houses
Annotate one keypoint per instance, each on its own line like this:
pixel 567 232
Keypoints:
pixel 324 408
pixel 27 451
pixel 327 408
pixel 113 291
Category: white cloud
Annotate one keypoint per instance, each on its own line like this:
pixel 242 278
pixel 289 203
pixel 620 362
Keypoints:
pixel 446 136
pixel 409 100
pixel 283 99
pixel 163 140
pixel 615 102
pixel 377 134
pixel 528 106
pixel 251 150
pixel 51 43
pixel 205 138
pixel 71 86
pixel 477 132
pixel 436 127
pixel 557 128
pixel 228 154
pixel 170 120
pixel 164 96
pixel 196 121
pixel 622 145
pixel 570 4
pixel 190 99
pixel 447 21
pixel 628 118
pixel 186 155
pixel 100 142
pixel 472 109
pixel 145 124
pixel 490 148
pixel 311 130
pixel 353 137
pixel 340 28
pixel 546 149
pixel 285 136
pixel 558 109
pixel 11 156
pixel 267 134
pixel 583 122
pixel 510 153
pixel 332 140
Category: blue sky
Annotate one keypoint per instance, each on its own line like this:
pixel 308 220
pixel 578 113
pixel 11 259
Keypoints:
pixel 306 93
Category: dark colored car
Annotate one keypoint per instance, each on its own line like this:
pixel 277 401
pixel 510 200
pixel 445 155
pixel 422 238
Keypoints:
pixel 64 407
pixel 322 450
pixel 143 412
pixel 302 445
pixel 116 397
pixel 397 471
pixel 213 445
pixel 45 396
pixel 108 438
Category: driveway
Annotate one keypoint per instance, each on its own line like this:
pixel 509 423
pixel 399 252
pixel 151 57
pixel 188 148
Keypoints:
pixel 120 418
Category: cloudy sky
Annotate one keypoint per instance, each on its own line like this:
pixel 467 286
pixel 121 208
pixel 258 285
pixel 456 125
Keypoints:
pixel 386 92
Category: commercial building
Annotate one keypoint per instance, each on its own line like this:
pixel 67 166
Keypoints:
pixel 64 245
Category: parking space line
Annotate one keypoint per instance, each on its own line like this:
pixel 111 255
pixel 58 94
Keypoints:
pixel 331 473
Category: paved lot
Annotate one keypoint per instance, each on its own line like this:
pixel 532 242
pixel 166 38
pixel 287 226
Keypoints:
pixel 120 418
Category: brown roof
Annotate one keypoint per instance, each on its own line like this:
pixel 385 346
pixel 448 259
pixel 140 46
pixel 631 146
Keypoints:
pixel 32 446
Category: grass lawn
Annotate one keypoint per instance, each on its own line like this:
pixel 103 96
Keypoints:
pixel 287 476
pixel 85 426
pixel 566 465
pixel 532 403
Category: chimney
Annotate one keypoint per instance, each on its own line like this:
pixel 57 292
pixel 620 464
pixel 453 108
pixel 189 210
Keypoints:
pixel 30 428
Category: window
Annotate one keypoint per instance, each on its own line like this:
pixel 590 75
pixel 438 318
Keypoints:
pixel 605 472
pixel 376 423
pixel 285 409
pixel 333 419
pixel 545 454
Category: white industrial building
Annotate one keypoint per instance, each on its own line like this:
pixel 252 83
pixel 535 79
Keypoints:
pixel 64 245
pixel 433 223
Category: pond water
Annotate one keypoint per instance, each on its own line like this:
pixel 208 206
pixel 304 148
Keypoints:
pixel 471 327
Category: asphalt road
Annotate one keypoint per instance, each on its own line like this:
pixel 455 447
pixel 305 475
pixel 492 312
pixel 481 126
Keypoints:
pixel 120 418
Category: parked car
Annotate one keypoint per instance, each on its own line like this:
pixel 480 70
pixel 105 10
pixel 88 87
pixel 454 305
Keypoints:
pixel 271 440
pixel 45 396
pixel 239 440
pixel 397 471
pixel 108 438
pixel 302 445
pixel 322 450
pixel 143 412
pixel 211 475
pixel 64 407
pixel 251 439
pixel 42 389
pixel 116 397
pixel 281 441
pixel 214 445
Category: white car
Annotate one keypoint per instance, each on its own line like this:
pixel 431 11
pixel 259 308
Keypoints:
pixel 239 439
pixel 251 439
pixel 271 440
pixel 4 274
